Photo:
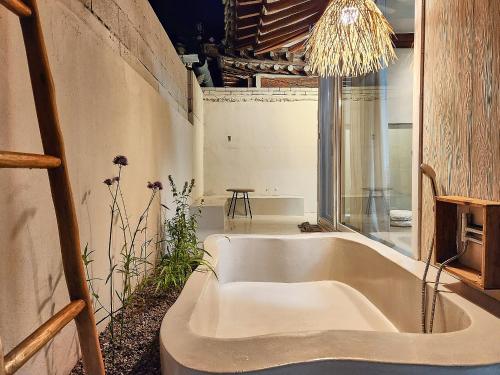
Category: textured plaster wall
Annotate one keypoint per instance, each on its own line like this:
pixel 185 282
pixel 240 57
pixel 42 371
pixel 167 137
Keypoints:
pixel 273 146
pixel 120 90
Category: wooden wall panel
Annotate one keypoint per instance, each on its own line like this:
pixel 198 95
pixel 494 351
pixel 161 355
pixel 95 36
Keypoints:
pixel 461 119
pixel 482 140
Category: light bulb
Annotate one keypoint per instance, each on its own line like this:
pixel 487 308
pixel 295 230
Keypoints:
pixel 349 15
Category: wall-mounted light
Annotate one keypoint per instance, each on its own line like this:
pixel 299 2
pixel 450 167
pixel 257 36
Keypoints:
pixel 352 38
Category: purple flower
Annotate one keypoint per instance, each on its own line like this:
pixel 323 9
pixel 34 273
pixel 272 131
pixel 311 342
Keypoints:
pixel 120 160
pixel 109 181
pixel 116 179
pixel 158 185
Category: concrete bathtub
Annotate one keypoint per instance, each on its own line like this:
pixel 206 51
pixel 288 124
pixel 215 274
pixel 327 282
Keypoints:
pixel 335 303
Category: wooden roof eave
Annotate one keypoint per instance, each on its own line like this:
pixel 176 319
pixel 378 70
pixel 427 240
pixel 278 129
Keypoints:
pixel 283 33
pixel 278 6
pixel 279 42
pixel 304 7
pixel 305 24
pixel 309 17
pixel 247 11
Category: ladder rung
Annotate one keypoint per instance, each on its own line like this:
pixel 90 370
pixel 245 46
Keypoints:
pixel 17 7
pixel 37 340
pixel 21 160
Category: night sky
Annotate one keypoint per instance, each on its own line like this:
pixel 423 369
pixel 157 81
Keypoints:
pixel 179 18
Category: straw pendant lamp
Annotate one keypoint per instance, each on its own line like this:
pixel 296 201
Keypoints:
pixel 351 38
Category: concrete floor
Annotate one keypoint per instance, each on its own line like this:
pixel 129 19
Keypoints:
pixel 260 224
pixel 378 228
pixel 398 238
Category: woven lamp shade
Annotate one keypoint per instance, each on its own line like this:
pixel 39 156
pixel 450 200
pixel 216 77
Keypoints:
pixel 352 38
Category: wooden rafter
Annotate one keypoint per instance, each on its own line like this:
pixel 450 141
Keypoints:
pixel 257 24
pixel 283 33
pixel 248 22
pixel 248 2
pixel 282 5
pixel 246 33
pixel 309 16
pixel 297 46
pixel 244 43
pixel 247 11
pixel 304 7
pixel 279 42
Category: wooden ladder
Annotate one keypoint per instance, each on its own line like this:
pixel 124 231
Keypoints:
pixel 54 160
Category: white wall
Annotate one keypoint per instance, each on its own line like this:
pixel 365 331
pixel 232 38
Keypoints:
pixel 400 110
pixel 196 118
pixel 400 87
pixel 121 89
pixel 273 147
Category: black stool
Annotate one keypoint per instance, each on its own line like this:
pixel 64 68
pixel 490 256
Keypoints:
pixel 234 198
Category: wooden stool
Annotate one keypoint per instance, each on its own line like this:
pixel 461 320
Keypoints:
pixel 234 198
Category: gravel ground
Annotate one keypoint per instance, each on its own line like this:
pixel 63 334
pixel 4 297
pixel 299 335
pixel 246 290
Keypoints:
pixel 138 350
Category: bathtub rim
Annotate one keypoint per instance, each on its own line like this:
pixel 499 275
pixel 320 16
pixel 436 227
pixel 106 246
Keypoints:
pixel 208 354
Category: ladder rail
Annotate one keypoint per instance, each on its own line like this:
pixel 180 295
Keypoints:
pixel 41 336
pixel 2 366
pixel 62 197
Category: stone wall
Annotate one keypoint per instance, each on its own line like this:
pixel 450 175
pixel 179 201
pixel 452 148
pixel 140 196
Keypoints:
pixel 136 34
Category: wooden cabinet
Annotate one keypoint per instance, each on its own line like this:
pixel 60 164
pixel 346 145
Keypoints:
pixel 479 266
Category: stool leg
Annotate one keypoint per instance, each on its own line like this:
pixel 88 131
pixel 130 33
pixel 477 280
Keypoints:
pixel 230 205
pixel 249 208
pixel 387 202
pixel 369 203
pixel 235 201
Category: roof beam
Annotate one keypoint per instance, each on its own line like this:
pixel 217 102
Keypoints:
pixel 299 18
pixel 248 2
pixel 279 42
pixel 246 33
pixel 248 11
pixel 297 47
pixel 269 18
pixel 244 43
pixel 248 22
pixel 229 61
pixel 277 6
pixel 305 23
pixel 282 32
pixel 246 38
pixel 296 40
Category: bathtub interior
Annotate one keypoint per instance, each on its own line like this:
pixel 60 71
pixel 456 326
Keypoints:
pixel 293 285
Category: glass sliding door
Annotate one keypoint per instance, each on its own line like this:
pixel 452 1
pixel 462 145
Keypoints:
pixel 326 167
pixel 375 142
